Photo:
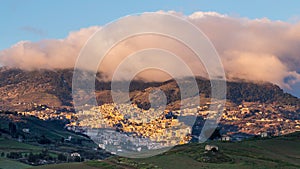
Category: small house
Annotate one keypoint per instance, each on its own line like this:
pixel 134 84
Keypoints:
pixel 264 135
pixel 69 138
pixel 75 155
pixel 212 148
pixel 25 130
pixel 226 138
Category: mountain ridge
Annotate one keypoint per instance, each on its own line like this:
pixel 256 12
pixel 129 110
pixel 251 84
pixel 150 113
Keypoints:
pixel 54 88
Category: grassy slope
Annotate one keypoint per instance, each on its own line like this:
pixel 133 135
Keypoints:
pixel 14 146
pixel 281 152
pixel 65 166
pixel 7 145
pixel 85 165
pixel 51 129
pixel 10 164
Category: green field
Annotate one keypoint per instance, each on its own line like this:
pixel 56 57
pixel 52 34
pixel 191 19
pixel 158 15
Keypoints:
pixel 66 166
pixel 281 152
pixel 53 130
pixel 10 164
pixel 7 145
pixel 86 165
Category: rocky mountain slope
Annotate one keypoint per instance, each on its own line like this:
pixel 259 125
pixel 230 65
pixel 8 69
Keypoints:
pixel 21 90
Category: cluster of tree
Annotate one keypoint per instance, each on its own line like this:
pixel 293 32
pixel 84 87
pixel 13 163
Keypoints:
pixel 12 127
pixel 44 155
pixel 44 140
pixel 63 158
pixel 14 155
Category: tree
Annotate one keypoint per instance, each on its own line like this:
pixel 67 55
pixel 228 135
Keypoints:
pixel 62 157
pixel 77 159
pixel 12 128
pixel 14 155
pixel 45 152
pixel 216 134
pixel 32 158
pixel 44 140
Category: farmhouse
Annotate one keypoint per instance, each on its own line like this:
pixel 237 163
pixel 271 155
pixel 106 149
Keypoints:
pixel 212 148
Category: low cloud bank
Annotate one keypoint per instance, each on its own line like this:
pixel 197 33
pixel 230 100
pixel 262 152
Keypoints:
pixel 260 49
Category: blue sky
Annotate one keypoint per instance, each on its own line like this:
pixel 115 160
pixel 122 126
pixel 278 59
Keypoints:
pixel 34 20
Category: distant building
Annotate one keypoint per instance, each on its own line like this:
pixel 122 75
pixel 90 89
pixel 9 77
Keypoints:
pixel 25 130
pixel 102 146
pixel 264 135
pixel 69 138
pixel 212 148
pixel 226 138
pixel 75 155
pixel 20 139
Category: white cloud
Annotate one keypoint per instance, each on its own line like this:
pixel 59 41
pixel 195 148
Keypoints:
pixel 259 49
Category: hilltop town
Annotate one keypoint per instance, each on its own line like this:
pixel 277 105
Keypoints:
pixel 163 128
